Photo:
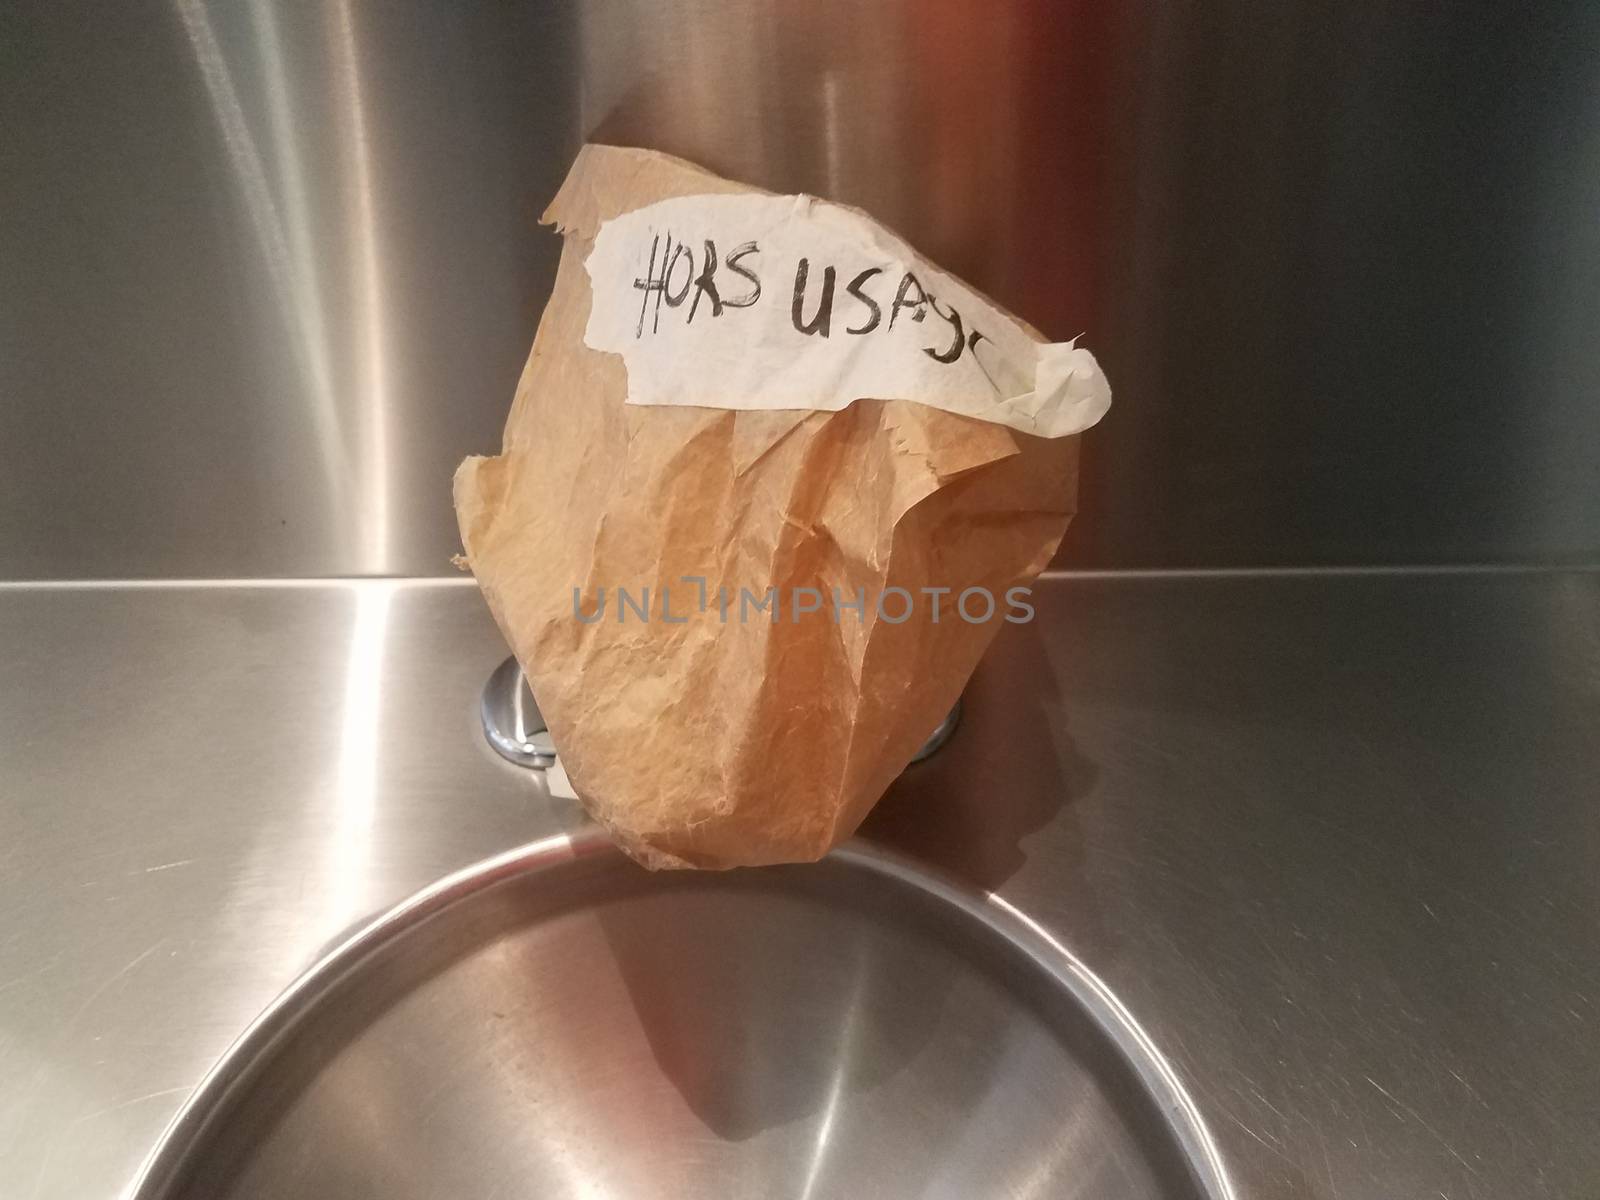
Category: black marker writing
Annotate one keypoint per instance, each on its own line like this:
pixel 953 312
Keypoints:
pixel 824 317
pixel 732 264
pixel 907 282
pixel 872 305
pixel 705 284
pixel 647 285
pixel 679 252
pixel 954 352
pixel 672 276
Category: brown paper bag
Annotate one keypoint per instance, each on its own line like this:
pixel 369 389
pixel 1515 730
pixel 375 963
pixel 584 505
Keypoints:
pixel 704 740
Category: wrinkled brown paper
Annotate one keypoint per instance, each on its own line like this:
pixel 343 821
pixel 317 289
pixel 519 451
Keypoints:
pixel 712 744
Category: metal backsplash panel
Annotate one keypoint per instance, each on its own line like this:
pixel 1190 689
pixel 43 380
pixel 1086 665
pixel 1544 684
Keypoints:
pixel 271 269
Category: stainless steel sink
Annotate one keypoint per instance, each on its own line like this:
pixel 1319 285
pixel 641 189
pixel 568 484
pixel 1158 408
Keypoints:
pixel 558 1022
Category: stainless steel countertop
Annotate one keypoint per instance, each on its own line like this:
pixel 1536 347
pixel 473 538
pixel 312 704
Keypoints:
pixel 1332 837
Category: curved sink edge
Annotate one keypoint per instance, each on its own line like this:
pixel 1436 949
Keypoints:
pixel 345 955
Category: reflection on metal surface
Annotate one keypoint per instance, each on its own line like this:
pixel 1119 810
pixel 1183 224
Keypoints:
pixel 945 731
pixel 559 990
pixel 512 721
pixel 283 238
pixel 272 271
pixel 376 401
pixel 290 272
pixel 305 310
pixel 350 844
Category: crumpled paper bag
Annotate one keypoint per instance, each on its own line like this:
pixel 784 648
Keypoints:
pixel 703 742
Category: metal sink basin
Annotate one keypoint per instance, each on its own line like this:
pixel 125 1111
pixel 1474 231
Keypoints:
pixel 557 1022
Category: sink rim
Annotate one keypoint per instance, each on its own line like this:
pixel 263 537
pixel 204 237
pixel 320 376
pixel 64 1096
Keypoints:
pixel 187 1130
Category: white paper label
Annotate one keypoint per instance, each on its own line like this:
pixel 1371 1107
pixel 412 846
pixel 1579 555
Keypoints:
pixel 745 301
